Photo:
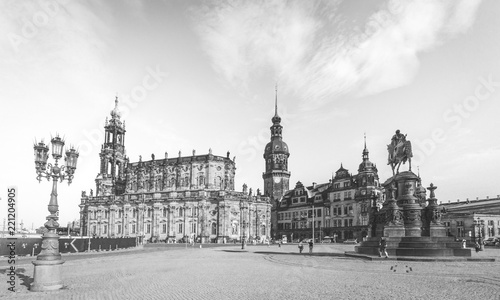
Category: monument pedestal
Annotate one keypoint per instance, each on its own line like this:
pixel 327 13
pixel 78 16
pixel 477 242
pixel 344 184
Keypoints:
pixel 409 230
pixel 394 231
pixel 437 230
pixel 47 275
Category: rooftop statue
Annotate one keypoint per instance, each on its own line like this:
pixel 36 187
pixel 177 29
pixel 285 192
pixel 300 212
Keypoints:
pixel 399 152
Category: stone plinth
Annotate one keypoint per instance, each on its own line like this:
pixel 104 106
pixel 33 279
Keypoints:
pixel 415 246
pixel 437 230
pixel 47 275
pixel 412 214
pixel 394 231
pixel 403 222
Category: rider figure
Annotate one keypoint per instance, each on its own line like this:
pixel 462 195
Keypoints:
pixel 397 141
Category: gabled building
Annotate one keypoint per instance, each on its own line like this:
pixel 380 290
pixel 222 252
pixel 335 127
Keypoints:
pixel 333 211
pixel 300 213
pixel 471 219
pixel 341 205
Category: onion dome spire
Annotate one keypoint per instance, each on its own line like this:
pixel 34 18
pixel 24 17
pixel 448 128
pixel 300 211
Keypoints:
pixel 365 151
pixel 115 113
pixel 276 119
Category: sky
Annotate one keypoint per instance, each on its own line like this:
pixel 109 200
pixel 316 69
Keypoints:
pixel 202 74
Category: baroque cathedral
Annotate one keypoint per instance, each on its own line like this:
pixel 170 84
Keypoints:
pixel 174 199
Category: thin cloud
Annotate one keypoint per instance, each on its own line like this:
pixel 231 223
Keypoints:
pixel 314 49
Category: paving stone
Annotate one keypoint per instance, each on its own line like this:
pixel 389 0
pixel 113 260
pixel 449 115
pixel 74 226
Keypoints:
pixel 261 272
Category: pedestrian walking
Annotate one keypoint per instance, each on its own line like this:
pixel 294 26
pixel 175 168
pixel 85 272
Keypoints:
pixel 267 241
pixel 301 247
pixel 279 244
pixel 382 244
pixel 311 245
pixel 478 247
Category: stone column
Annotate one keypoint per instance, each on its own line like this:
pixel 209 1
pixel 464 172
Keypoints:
pixel 140 219
pixel 171 210
pixel 169 217
pixel 433 215
pixel 209 178
pixel 244 220
pixel 126 216
pixel 185 220
pixel 154 219
pixel 392 223
pixel 112 220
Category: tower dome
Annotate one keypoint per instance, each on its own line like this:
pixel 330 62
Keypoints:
pixel 115 113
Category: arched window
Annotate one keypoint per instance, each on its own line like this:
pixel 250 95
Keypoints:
pixel 263 230
pixel 181 212
pixel 186 181
pixel 214 228
pixel 164 212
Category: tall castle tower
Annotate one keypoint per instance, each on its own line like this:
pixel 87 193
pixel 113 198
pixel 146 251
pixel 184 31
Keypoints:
pixel 111 178
pixel 367 178
pixel 276 177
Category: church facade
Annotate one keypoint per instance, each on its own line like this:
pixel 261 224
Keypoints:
pixel 169 199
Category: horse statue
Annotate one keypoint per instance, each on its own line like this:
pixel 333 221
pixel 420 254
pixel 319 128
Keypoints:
pixel 399 152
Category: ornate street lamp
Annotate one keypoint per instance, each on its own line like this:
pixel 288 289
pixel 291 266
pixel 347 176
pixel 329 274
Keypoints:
pixel 373 212
pixel 243 239
pixel 47 271
pixel 480 225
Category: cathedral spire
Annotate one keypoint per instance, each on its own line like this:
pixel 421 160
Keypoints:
pixel 365 151
pixel 276 119
pixel 115 113
pixel 276 101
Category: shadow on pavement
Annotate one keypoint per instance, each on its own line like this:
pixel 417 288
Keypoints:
pixel 25 280
pixel 290 253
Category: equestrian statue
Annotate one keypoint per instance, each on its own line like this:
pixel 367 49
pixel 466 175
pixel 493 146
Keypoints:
pixel 399 152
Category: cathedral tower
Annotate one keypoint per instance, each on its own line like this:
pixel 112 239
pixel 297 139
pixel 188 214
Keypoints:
pixel 111 178
pixel 276 177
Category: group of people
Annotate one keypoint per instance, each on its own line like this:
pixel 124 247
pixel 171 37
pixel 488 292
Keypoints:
pixel 310 243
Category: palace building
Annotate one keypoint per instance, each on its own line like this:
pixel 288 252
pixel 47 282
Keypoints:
pixel 334 211
pixel 171 198
pixel 472 219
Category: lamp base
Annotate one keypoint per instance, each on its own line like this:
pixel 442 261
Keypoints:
pixel 47 275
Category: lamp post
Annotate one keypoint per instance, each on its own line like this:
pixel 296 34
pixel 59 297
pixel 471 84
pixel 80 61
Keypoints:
pixel 373 213
pixel 313 223
pixel 47 270
pixel 243 239
pixel 480 224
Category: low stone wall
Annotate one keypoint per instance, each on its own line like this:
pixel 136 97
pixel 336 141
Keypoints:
pixel 32 246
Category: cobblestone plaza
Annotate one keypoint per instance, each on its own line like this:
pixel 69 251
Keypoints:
pixel 260 272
